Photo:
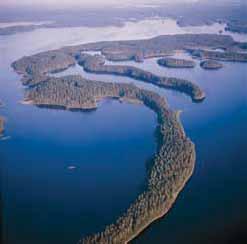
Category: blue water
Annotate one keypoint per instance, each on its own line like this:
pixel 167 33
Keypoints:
pixel 46 202
pixel 212 207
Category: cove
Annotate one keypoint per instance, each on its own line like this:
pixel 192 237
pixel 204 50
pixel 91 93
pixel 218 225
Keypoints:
pixel 214 200
pixel 219 176
pixel 109 151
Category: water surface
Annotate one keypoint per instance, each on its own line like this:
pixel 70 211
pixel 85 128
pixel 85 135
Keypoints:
pixel 212 207
pixel 45 201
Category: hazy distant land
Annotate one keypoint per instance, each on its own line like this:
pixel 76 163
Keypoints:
pixel 165 180
pixel 232 15
pixel 174 162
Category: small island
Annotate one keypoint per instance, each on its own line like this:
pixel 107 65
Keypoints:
pixel 1 122
pixel 176 63
pixel 211 64
pixel 36 68
pixel 172 165
pixel 96 64
pixel 1 126
pixel 174 161
pixel 228 56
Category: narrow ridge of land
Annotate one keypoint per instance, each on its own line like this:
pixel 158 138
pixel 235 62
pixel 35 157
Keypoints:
pixel 173 163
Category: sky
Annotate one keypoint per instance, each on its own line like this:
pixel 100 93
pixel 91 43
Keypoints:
pixel 86 2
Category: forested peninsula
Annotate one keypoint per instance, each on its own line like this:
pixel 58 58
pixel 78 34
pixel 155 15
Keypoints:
pixel 1 122
pixel 176 63
pixel 172 165
pixel 36 68
pixel 174 161
pixel 1 125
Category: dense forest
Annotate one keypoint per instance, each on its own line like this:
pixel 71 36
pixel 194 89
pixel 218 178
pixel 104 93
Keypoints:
pixel 211 64
pixel 218 55
pixel 172 166
pixel 36 68
pixel 1 122
pixel 176 63
pixel 1 125
pixel 96 64
pixel 174 161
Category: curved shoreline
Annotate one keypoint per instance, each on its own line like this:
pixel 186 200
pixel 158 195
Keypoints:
pixel 164 213
pixel 211 65
pixel 1 126
pixel 176 63
pixel 173 163
pixel 171 203
pixel 1 122
pixel 36 68
pixel 96 64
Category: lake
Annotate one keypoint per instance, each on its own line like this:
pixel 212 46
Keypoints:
pixel 66 174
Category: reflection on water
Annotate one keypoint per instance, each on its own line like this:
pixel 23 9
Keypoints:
pixel 108 148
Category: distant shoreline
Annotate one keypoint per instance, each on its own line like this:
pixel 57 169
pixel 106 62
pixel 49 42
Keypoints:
pixel 207 14
pixel 174 161
pixel 166 180
pixel 1 126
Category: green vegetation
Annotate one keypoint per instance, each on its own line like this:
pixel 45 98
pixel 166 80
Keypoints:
pixel 1 122
pixel 211 64
pixel 221 56
pixel 176 63
pixel 174 161
pixel 96 64
pixel 172 166
pixel 36 68
pixel 1 125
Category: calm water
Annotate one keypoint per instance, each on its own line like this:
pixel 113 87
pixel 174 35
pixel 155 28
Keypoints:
pixel 46 202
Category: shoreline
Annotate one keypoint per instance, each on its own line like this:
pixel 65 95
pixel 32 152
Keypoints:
pixel 176 63
pixel 173 164
pixel 2 121
pixel 178 113
pixel 36 68
pixel 174 161
pixel 162 215
pixel 173 200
